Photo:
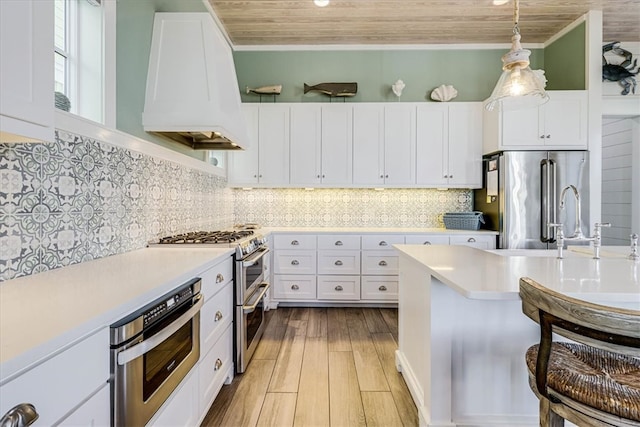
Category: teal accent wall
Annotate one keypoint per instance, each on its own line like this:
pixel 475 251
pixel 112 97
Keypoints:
pixel 473 73
pixel 133 31
pixel 565 59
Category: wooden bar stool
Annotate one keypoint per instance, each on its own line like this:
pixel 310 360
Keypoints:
pixel 594 381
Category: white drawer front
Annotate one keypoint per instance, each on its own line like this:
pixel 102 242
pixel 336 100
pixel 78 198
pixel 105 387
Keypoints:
pixel 294 241
pixel 379 262
pixel 381 242
pixel 215 316
pixel 426 239
pixel 379 288
pixel 214 279
pixel 338 262
pixel 339 288
pixel 339 241
pixel 294 287
pixel 294 262
pixel 56 386
pixel 214 367
pixel 482 242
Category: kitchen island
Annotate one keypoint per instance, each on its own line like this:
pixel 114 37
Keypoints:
pixel 462 334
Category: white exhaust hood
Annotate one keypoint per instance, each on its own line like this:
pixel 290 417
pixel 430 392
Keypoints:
pixel 192 93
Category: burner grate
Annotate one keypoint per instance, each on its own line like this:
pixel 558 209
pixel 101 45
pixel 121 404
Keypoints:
pixel 207 237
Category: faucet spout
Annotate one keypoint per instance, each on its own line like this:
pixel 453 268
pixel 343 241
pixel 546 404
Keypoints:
pixel 577 233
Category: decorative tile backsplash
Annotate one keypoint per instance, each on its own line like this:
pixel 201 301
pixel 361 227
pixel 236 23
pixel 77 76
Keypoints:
pixel 79 199
pixel 349 207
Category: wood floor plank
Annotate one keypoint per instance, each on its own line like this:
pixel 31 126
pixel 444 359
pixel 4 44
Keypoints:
pixel 278 410
pixel 299 313
pixel 245 406
pixel 337 330
pixel 370 373
pixel 386 347
pixel 345 402
pixel 218 409
pixel 390 316
pixel 375 321
pixel 380 409
pixel 312 407
pixel 286 373
pixel 317 326
pixel 269 345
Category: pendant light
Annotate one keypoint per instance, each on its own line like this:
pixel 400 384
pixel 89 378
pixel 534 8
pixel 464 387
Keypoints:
pixel 518 87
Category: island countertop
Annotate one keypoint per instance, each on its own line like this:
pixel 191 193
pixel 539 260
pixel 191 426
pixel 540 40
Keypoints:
pixel 479 274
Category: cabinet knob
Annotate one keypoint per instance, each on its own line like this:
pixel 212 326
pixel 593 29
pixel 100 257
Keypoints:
pixel 218 365
pixel 541 136
pixel 317 176
pixel 446 176
pixel 323 175
pixel 427 242
pixel 21 415
pixel 471 240
pixel 382 288
pixel 219 278
pixel 338 288
pixel 294 243
pixel 255 176
pixel 260 176
pixel 295 287
pixel 338 243
pixel 295 262
pixel 338 262
pixel 218 316
pixel 386 176
pixel 548 136
pixel 382 243
pixel 381 176
pixel 450 176
pixel 382 263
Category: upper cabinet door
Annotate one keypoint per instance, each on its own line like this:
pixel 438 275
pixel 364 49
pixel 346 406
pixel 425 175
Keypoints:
pixel 565 120
pixel 368 144
pixel 337 144
pixel 465 144
pixel 305 167
pixel 400 144
pixel 432 139
pixel 273 130
pixel 243 165
pixel 522 127
pixel 26 70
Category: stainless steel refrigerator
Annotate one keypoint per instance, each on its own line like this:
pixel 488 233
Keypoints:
pixel 522 192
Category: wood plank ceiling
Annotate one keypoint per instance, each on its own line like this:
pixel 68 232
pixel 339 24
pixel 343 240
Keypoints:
pixel 382 22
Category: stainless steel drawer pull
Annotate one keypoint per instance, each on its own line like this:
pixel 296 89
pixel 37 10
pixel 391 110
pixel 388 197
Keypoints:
pixel 338 243
pixel 382 288
pixel 21 415
pixel 219 278
pixel 382 263
pixel 339 288
pixel 295 262
pixel 218 316
pixel 427 243
pixel 218 365
pixel 471 240
pixel 382 243
pixel 338 262
pixel 295 287
pixel 294 243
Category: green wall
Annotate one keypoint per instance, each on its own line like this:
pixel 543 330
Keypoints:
pixel 133 31
pixel 564 61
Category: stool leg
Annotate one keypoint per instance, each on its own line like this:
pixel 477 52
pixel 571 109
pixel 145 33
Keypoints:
pixel 548 418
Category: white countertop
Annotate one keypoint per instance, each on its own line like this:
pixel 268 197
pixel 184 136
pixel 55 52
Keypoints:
pixel 370 230
pixel 47 312
pixel 479 274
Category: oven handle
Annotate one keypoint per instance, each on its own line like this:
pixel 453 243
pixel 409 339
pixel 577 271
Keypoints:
pixel 126 356
pixel 246 309
pixel 254 260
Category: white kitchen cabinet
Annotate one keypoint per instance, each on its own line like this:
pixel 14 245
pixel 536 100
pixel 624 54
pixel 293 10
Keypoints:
pixel 476 241
pixel 561 123
pixel 426 239
pixel 294 287
pixel 26 71
pixel 379 288
pixel 266 161
pixel 294 241
pixel 449 145
pixel 339 262
pixel 215 369
pixel 381 242
pixel 181 409
pixel 380 262
pixel 321 147
pixel 340 288
pixel 294 262
pixel 384 144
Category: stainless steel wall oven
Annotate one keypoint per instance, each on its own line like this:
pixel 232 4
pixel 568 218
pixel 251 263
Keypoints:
pixel 152 350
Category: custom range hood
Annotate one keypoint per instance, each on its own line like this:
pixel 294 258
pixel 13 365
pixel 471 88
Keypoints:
pixel 192 94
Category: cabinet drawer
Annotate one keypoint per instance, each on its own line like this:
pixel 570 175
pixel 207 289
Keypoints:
pixel 294 241
pixel 381 242
pixel 214 368
pixel 426 239
pixel 294 262
pixel 215 278
pixel 379 288
pixel 294 287
pixel 338 262
pixel 481 242
pixel 94 412
pixel 215 316
pixel 61 383
pixel 379 262
pixel 339 241
pixel 339 288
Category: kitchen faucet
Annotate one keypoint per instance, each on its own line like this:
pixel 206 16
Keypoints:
pixel 596 239
pixel 577 233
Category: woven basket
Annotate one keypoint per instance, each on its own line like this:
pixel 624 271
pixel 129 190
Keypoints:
pixel 463 220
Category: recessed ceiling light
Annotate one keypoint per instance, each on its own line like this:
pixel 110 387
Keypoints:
pixel 500 2
pixel 321 3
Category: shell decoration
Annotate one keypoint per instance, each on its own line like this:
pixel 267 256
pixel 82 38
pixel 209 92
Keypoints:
pixel 540 75
pixel 397 88
pixel 444 93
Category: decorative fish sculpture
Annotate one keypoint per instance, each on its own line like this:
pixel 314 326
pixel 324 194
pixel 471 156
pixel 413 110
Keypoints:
pixel 265 90
pixel 333 89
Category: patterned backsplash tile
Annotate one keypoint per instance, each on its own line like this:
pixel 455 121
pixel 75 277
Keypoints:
pixel 349 207
pixel 79 199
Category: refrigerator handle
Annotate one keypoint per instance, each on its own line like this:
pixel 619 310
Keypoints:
pixel 547 200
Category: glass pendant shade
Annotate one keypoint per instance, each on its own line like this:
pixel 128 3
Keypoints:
pixel 517 88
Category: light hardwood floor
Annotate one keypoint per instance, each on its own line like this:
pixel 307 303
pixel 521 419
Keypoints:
pixel 320 367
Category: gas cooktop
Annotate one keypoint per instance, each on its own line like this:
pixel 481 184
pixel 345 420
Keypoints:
pixel 209 237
